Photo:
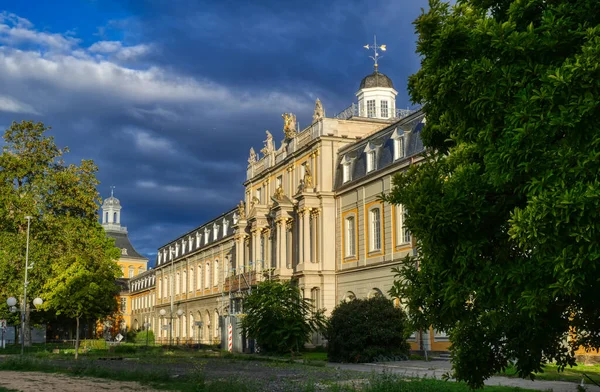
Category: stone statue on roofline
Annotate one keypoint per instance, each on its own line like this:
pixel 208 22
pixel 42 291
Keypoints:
pixel 253 157
pixel 308 180
pixel 269 146
pixel 319 112
pixel 242 210
pixel 289 125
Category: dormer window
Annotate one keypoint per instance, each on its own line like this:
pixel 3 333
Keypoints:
pixel 399 147
pixel 182 247
pixel 346 169
pixel 235 218
pixel 225 226
pixel 215 231
pixel 198 238
pixel 190 243
pixel 206 233
pixel 371 156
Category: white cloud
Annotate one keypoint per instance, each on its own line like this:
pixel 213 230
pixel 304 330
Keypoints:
pixel 105 47
pixel 117 50
pixel 9 104
pixel 15 31
pixel 147 184
pixel 146 142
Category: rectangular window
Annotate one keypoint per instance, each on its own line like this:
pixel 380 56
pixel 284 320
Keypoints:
pixel 259 195
pixel 384 109
pixel 279 181
pixel 375 229
pixel 399 148
pixel 123 305
pixel 402 234
pixel 350 237
pixel 371 108
pixel 370 161
pixel 346 172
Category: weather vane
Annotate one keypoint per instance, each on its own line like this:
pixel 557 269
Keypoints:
pixel 112 190
pixel 375 56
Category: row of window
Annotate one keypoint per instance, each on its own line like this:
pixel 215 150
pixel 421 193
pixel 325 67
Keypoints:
pixel 402 234
pixel 184 280
pixel 142 302
pixel 371 154
pixel 132 271
pixel 142 283
pixel 186 245
pixel 372 108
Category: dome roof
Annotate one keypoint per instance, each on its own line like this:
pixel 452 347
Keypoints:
pixel 376 79
pixel 111 202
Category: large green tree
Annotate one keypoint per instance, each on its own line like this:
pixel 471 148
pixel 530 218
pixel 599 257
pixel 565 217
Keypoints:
pixel 506 206
pixel 63 203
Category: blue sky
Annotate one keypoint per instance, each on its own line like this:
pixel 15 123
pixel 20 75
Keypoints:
pixel 167 97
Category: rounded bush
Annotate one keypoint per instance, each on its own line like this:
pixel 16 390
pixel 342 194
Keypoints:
pixel 363 330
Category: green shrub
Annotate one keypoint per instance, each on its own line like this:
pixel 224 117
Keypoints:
pixel 141 337
pixel 365 330
pixel 95 344
pixel 125 349
pixel 131 335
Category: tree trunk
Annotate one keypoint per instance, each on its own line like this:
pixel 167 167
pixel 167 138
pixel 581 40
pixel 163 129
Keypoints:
pixel 77 340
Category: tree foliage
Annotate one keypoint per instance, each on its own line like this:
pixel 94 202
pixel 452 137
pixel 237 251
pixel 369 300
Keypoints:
pixel 506 207
pixel 363 329
pixel 279 318
pixel 72 257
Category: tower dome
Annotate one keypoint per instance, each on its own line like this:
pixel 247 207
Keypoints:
pixel 111 202
pixel 376 79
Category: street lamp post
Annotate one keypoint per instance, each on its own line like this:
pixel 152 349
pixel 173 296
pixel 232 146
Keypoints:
pixel 12 302
pixel 147 325
pixel 163 313
pixel 25 283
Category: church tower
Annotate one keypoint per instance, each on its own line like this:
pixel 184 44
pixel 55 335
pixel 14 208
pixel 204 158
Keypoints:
pixel 131 262
pixel 376 95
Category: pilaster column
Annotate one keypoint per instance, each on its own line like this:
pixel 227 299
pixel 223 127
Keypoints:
pixel 306 235
pixel 301 215
pixel 280 243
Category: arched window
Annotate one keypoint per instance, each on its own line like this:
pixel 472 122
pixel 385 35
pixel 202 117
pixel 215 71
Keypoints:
pixel 191 277
pixel 216 273
pixel 115 217
pixel 216 325
pixel 375 292
pixel 177 284
pixel 131 272
pixel 199 277
pixel 184 282
pixel 192 334
pixel 208 276
pixel 349 296
pixel 184 326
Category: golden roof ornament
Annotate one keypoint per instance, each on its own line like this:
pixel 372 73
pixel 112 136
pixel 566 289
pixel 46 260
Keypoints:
pixel 289 125
pixel 376 56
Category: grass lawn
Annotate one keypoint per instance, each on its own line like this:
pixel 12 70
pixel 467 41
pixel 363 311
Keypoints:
pixel 551 372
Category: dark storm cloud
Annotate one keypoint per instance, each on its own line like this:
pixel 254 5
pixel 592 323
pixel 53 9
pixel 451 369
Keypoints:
pixel 169 111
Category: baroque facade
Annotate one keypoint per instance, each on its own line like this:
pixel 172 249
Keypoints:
pixel 310 211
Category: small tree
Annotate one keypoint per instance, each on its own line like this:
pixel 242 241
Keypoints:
pixel 83 285
pixel 363 329
pixel 279 318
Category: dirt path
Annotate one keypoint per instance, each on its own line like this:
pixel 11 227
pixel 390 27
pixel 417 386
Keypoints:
pixel 53 382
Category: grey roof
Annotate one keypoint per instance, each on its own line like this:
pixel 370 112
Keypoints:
pixel 410 127
pixel 122 242
pixel 376 79
pixel 203 231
